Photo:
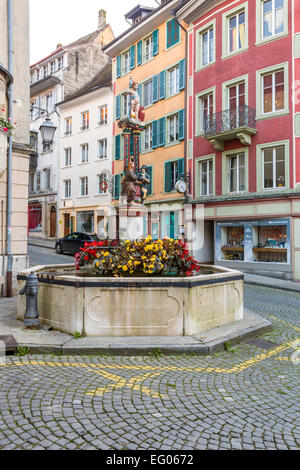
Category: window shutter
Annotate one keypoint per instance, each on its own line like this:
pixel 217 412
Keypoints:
pixel 118 147
pixel 162 85
pixel 155 88
pixel 118 107
pixel 170 33
pixel 132 57
pixel 155 134
pixel 119 66
pixel 155 42
pixel 149 186
pixel 139 52
pixel 168 177
pixel 162 131
pixel 140 88
pixel 181 122
pixel 181 167
pixel 182 74
pixel 117 187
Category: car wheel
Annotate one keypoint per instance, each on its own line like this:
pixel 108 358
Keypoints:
pixel 58 249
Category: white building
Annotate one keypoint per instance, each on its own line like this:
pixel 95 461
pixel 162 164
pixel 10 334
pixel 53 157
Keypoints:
pixel 86 157
pixel 54 79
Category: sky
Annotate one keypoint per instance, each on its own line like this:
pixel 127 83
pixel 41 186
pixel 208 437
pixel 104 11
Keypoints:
pixel 63 21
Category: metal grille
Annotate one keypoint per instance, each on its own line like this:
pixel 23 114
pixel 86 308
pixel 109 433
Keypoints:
pixel 230 119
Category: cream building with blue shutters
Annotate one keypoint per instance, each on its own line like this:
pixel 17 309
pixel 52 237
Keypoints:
pixel 152 52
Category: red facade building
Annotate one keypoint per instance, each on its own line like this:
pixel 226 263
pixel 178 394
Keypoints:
pixel 243 141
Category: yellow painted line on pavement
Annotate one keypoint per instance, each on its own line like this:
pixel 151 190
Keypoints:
pixel 294 327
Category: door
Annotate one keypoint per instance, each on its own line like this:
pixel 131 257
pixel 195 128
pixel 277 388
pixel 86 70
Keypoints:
pixel 52 222
pixel 66 224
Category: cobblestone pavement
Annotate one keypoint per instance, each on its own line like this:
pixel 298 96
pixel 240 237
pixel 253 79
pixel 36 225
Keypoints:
pixel 243 398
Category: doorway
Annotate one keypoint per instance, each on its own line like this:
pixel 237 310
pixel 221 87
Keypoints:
pixel 66 225
pixel 52 222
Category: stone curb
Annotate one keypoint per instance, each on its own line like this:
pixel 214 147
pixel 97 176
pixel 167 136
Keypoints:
pixel 156 349
pixel 270 285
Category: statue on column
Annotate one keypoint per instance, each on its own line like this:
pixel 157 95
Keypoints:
pixel 128 181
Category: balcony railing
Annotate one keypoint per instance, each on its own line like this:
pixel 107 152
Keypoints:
pixel 238 123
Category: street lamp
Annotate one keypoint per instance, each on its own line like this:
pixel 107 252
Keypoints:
pixel 47 131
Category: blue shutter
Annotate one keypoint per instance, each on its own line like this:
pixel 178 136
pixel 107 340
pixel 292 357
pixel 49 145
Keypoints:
pixel 162 85
pixel 154 134
pixel 132 57
pixel 181 167
pixel 175 32
pixel 118 107
pixel 181 125
pixel 118 147
pixel 155 88
pixel 169 33
pixel 139 53
pixel 119 66
pixel 168 177
pixel 117 187
pixel 149 186
pixel 182 74
pixel 155 42
pixel 162 131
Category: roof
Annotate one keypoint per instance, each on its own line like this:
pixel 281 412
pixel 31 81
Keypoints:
pixel 102 79
pixel 136 10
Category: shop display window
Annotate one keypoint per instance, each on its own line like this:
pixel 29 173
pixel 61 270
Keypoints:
pixel 232 246
pixel 270 243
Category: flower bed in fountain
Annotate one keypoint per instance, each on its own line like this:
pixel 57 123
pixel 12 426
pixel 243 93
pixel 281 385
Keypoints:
pixel 145 257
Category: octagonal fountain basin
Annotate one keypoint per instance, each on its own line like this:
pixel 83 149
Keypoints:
pixel 71 301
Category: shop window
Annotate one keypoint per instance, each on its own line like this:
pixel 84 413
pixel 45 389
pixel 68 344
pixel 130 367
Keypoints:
pixel 85 221
pixel 232 239
pixel 270 244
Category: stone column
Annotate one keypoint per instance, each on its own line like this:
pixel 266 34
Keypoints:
pixel 126 134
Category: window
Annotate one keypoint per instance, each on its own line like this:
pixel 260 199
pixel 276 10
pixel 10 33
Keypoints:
pixel 126 104
pixel 207 111
pixel 173 129
pixel 103 183
pixel 172 33
pixel 102 115
pixel 47 178
pixel 84 186
pixel 67 184
pixel 102 148
pixel 68 126
pixel 85 221
pixel 148 45
pixel 273 92
pixel 38 181
pixel 273 18
pixel 49 103
pixel 45 71
pixel 52 66
pixel 174 81
pixel 126 63
pixel 274 168
pixel 68 157
pixel 236 173
pixel 206 178
pixel 60 63
pixel 236 105
pixel 84 153
pixel 148 138
pixel 148 91
pixel 207 47
pixel 237 32
pixel 31 182
pixel 85 120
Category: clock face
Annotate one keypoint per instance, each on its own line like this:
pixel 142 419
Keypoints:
pixel 181 186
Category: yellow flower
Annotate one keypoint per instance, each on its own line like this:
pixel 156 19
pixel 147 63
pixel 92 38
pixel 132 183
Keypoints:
pixel 106 254
pixel 144 257
pixel 125 268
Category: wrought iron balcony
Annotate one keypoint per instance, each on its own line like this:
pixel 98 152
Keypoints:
pixel 238 123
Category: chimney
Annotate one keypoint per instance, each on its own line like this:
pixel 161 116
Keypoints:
pixel 101 19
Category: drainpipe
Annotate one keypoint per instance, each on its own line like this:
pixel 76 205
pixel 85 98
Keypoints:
pixel 9 156
pixel 187 176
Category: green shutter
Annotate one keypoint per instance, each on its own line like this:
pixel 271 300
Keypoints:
pixel 175 32
pixel 118 107
pixel 139 52
pixel 168 177
pixel 154 134
pixel 162 85
pixel 181 167
pixel 149 186
pixel 118 147
pixel 181 122
pixel 117 187
pixel 169 33
pixel 155 88
pixel 182 74
pixel 119 66
pixel 162 132
pixel 155 42
pixel 132 57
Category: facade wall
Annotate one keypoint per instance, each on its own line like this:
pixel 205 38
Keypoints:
pixel 94 202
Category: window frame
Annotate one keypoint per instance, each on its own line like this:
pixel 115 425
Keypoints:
pixel 66 183
pixel 225 30
pixel 85 120
pixel 199 124
pixel 68 158
pixel 85 152
pixel 144 149
pixel 260 95
pixel 176 129
pixel 260 164
pixel 68 125
pixel 106 148
pixel 198 45
pixel 105 121
pixel 123 70
pixel 86 186
pixel 259 24
pixel 198 176
pixel 225 169
pixel 148 82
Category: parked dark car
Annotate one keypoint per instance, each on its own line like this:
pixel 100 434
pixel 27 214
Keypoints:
pixel 73 242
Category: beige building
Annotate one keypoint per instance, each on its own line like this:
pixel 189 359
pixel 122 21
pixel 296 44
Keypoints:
pixel 17 62
pixel 53 79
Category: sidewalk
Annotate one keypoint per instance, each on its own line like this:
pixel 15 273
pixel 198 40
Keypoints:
pixel 204 343
pixel 272 282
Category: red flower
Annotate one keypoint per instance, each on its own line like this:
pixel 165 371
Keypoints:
pixel 5 129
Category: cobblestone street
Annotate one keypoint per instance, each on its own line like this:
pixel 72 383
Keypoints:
pixel 244 398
